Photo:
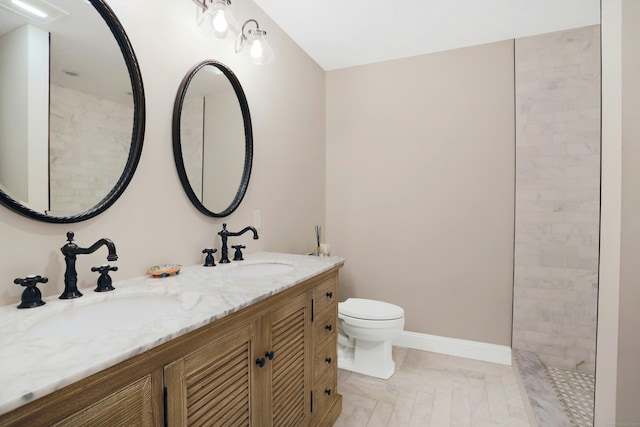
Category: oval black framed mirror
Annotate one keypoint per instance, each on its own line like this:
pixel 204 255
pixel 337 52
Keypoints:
pixel 212 138
pixel 91 128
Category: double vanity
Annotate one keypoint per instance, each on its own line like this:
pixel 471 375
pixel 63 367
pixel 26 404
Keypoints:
pixel 245 343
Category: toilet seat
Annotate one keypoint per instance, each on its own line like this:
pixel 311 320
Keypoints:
pixel 372 324
pixel 366 309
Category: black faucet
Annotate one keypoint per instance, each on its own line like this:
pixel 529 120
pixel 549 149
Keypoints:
pixel 224 234
pixel 70 250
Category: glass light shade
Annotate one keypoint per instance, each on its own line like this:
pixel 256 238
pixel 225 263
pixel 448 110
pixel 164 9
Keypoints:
pixel 259 50
pixel 218 20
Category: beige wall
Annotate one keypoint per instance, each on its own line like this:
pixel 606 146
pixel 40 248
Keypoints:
pixel 420 188
pixel 154 222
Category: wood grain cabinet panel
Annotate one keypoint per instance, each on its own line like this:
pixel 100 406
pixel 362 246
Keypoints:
pixel 289 385
pixel 129 406
pixel 216 384
pixel 325 294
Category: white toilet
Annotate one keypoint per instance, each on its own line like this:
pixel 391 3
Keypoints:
pixel 366 329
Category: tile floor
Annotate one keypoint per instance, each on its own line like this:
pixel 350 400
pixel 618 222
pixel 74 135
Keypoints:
pixel 543 401
pixel 435 390
pixel 575 390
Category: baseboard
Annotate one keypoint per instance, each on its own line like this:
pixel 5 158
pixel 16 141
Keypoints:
pixel 455 347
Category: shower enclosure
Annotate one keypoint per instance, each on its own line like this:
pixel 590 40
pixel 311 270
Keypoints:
pixel 557 88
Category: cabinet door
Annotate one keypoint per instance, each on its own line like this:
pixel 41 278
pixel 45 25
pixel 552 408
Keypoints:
pixel 216 385
pixel 288 391
pixel 131 406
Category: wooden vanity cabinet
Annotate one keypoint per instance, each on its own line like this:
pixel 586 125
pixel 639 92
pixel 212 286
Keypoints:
pixel 255 375
pixel 270 364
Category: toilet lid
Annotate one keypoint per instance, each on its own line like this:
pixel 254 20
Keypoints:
pixel 368 309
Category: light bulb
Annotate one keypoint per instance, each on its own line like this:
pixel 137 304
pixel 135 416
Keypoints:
pixel 256 50
pixel 220 24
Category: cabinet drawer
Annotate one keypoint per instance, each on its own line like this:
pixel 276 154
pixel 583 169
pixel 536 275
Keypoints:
pixel 325 359
pixel 325 294
pixel 325 326
pixel 324 392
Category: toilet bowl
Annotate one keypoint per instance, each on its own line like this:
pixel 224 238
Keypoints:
pixel 366 329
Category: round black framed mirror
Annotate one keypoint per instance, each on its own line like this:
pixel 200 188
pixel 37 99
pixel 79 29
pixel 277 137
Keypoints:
pixel 212 138
pixel 95 96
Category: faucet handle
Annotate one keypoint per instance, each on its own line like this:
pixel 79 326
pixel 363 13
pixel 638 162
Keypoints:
pixel 237 256
pixel 104 281
pixel 31 297
pixel 208 260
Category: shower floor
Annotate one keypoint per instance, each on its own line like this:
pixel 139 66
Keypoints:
pixel 575 390
pixel 558 397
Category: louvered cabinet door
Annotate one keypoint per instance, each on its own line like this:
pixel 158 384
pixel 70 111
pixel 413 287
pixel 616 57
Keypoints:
pixel 216 385
pixel 288 391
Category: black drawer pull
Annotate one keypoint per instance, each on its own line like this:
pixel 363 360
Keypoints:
pixel 329 294
pixel 269 355
pixel 328 391
pixel 328 360
pixel 329 328
pixel 260 362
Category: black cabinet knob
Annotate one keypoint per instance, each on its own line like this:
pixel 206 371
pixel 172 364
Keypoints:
pixel 269 355
pixel 328 360
pixel 260 362
pixel 329 294
pixel 328 391
pixel 329 328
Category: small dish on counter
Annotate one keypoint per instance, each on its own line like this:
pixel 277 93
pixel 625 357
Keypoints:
pixel 165 270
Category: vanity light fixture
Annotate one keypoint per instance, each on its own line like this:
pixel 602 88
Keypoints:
pixel 216 15
pixel 254 38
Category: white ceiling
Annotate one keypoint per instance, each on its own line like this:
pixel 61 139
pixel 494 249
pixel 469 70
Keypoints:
pixel 346 33
pixel 81 43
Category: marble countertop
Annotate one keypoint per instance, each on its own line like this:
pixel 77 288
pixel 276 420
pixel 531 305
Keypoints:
pixel 49 347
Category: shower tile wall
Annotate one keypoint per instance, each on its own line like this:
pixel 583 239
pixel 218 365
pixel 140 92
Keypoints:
pixel 557 196
pixel 191 140
pixel 89 144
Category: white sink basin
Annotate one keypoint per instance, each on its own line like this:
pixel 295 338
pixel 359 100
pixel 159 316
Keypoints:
pixel 259 269
pixel 127 312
